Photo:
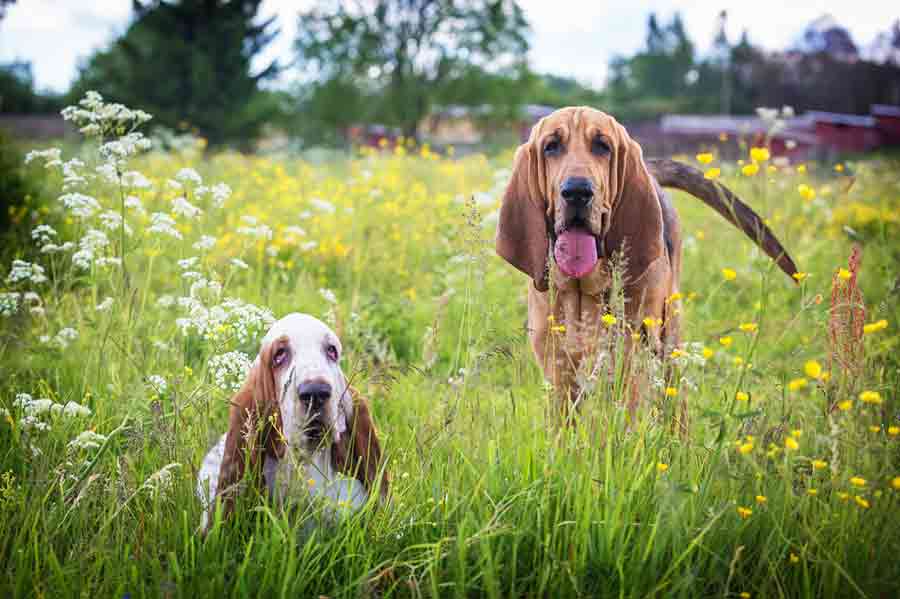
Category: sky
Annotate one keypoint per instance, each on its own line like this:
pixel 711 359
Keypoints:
pixel 575 38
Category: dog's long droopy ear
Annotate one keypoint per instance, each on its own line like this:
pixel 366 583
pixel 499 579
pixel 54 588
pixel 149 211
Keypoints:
pixel 522 228
pixel 358 452
pixel 254 428
pixel 636 220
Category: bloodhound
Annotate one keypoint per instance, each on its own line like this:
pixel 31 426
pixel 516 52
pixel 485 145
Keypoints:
pixel 581 193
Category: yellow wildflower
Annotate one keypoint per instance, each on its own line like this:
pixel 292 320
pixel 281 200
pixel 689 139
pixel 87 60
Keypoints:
pixel 674 297
pixel 839 168
pixel 797 384
pixel 845 405
pixel 895 483
pixel 712 174
pixel 741 396
pixel 744 512
pixel 799 276
pixel 819 464
pixel 874 429
pixel 843 496
pixel 561 328
pixel 705 158
pixel 812 492
pixel 661 467
pixel 861 502
pixel 608 319
pixel 759 154
pixel 761 499
pixel 749 327
pixel 750 169
pixel 872 397
pixel 745 448
pixel 791 443
pixel 858 481
pixel 801 168
pixel 796 433
pixel 708 353
pixel 874 327
pixel 737 360
pixel 806 192
pixel 729 274
pixel 745 595
pixel 700 235
pixel 812 369
pixel 894 431
pixel 651 322
pixel 843 273
pixel 677 353
pixel 671 391
pixel 725 341
pixel 794 558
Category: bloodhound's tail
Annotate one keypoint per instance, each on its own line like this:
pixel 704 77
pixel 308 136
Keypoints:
pixel 686 178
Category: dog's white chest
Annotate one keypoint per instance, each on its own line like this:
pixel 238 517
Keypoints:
pixel 291 477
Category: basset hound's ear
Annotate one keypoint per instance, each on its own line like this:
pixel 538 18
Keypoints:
pixel 522 227
pixel 636 220
pixel 358 452
pixel 254 428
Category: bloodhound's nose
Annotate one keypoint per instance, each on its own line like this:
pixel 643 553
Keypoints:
pixel 577 192
pixel 314 393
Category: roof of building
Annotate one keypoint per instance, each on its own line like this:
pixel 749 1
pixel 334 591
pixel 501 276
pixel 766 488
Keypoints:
pixel 837 118
pixel 885 110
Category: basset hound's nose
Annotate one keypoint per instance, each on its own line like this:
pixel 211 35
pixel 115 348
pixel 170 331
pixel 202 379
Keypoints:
pixel 314 393
pixel 578 192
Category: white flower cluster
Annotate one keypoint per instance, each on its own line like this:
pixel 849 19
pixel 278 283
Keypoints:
pixel 89 247
pixel 80 205
pixel 182 207
pixel 254 228
pixel 9 303
pixel 112 221
pixel 26 272
pixel 161 480
pixel 159 384
pixel 105 305
pixel 228 371
pixel 94 116
pixel 34 409
pixel 188 175
pixel 163 224
pixel 322 205
pixel 243 321
pixel 205 243
pixel 88 440
pixel 219 193
pixel 328 296
pixel 51 157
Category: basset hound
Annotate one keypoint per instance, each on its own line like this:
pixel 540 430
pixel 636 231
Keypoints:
pixel 580 193
pixel 296 428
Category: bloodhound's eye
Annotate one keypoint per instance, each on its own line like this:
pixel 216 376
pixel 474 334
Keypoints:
pixel 552 147
pixel 599 147
pixel 281 356
pixel 331 351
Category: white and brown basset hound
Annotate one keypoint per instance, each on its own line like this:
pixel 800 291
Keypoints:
pixel 298 425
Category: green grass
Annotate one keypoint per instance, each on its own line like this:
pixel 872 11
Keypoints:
pixel 489 498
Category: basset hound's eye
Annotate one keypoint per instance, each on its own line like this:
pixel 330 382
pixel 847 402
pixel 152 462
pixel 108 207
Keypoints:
pixel 599 147
pixel 553 147
pixel 331 352
pixel 281 356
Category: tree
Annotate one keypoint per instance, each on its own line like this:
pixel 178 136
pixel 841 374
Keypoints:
pixel 404 55
pixel 188 62
pixel 17 93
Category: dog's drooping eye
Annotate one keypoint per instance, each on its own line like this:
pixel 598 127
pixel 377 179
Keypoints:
pixel 599 147
pixel 281 356
pixel 553 147
pixel 331 351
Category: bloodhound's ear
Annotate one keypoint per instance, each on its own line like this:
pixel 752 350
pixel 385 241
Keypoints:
pixel 358 453
pixel 636 220
pixel 522 228
pixel 254 428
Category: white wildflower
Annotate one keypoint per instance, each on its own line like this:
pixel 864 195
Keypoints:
pixel 80 205
pixel 73 410
pixel 191 275
pixel 328 296
pixel 43 234
pixel 165 301
pixel 182 207
pixel 105 305
pixel 9 303
pixel 294 231
pixel 71 175
pixel 220 193
pixel 229 370
pixel 25 272
pixel 65 336
pixel 158 383
pixel 108 172
pixel 134 203
pixel 161 480
pixel 254 228
pixel 50 156
pixel 205 243
pixel 52 248
pixel 188 175
pixel 33 423
pixel 88 440
pixel 309 246
pixel 135 180
pixel 112 221
pixel 164 224
pixel 238 263
pixel 187 263
pixel 322 205
pixel 173 184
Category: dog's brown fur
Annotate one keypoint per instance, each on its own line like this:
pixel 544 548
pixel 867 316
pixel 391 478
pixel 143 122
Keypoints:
pixel 629 214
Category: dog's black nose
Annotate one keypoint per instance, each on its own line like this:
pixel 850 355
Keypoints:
pixel 314 393
pixel 577 191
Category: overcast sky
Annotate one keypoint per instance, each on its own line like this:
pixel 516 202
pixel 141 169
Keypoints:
pixel 575 38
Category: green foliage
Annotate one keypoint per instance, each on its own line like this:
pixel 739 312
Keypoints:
pixel 392 62
pixel 17 93
pixel 189 63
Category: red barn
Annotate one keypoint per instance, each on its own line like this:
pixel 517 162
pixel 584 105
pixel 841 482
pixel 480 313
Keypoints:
pixel 846 132
pixel 887 119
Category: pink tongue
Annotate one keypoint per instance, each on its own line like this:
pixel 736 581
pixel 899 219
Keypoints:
pixel 576 252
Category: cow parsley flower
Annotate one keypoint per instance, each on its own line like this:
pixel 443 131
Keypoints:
pixel 9 303
pixel 322 205
pixel 182 207
pixel 189 175
pixel 88 440
pixel 26 272
pixel 229 370
pixel 80 205
pixel 65 336
pixel 112 221
pixel 158 383
pixel 254 228
pixel 105 305
pixel 50 156
pixel 164 224
pixel 134 203
pixel 135 180
pixel 43 234
pixel 205 243
pixel 238 263
pixel 187 263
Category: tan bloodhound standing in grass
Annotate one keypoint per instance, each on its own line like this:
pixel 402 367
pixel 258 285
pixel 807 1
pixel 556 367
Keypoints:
pixel 580 193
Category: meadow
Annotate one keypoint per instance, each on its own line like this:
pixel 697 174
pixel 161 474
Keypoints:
pixel 140 281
